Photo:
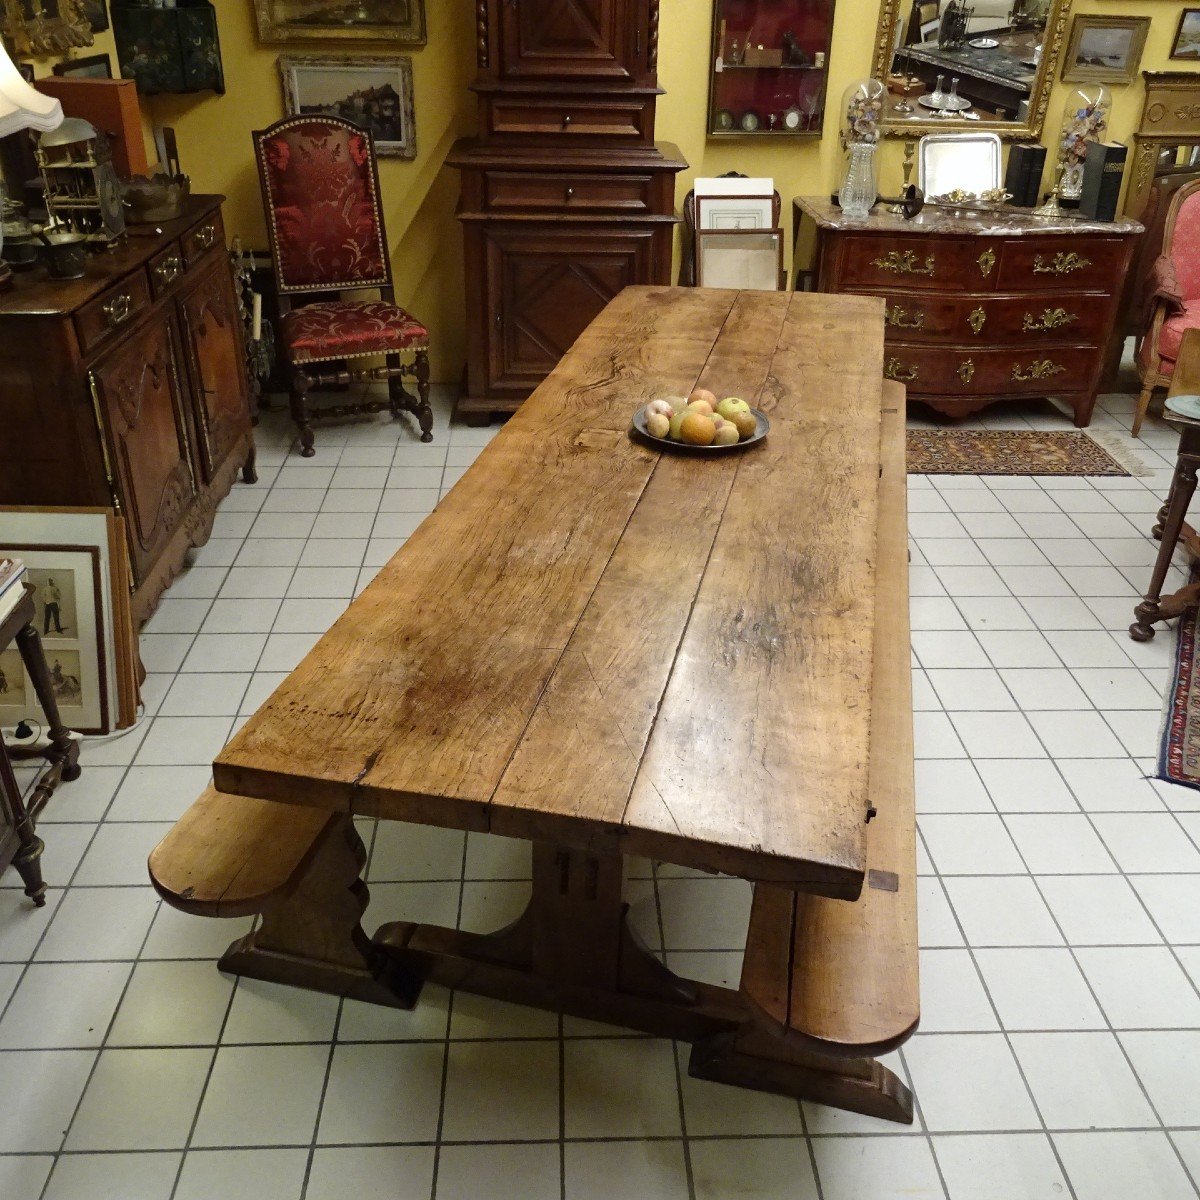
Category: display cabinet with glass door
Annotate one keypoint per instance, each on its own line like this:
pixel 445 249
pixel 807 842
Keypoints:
pixel 770 60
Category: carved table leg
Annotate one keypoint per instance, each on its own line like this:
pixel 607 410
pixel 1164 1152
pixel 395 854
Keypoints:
pixel 311 936
pixel 28 858
pixel 1157 531
pixel 1183 485
pixel 299 398
pixel 64 748
pixel 756 1058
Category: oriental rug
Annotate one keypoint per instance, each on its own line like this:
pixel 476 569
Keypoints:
pixel 1179 746
pixel 1018 452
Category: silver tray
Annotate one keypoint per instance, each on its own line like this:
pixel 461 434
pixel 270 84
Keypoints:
pixel 639 428
pixel 968 162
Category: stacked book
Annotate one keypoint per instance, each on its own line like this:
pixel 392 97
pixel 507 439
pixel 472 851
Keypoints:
pixel 12 577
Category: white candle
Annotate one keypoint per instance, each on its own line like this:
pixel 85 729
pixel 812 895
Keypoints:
pixel 256 318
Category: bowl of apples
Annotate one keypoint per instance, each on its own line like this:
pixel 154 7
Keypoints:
pixel 700 423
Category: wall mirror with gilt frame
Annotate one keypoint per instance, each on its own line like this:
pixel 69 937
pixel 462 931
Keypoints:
pixel 996 61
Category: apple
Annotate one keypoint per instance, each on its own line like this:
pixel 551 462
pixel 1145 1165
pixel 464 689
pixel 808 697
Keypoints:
pixel 731 405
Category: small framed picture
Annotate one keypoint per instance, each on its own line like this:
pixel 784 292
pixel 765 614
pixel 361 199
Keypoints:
pixel 735 212
pixel 1187 37
pixel 94 66
pixel 1105 49
pixel 401 21
pixel 741 259
pixel 376 93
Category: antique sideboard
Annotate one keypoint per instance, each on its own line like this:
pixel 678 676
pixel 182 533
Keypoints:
pixel 565 197
pixel 982 308
pixel 127 389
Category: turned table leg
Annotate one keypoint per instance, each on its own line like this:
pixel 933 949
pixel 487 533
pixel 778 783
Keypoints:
pixel 63 747
pixel 28 858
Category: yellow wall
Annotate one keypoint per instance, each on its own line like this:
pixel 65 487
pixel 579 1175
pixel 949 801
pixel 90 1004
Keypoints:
pixel 419 196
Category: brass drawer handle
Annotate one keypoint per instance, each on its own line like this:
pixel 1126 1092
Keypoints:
pixel 1051 318
pixel 904 264
pixel 986 261
pixel 117 309
pixel 1063 263
pixel 1042 369
pixel 206 237
pixel 900 372
pixel 966 371
pixel 977 319
pixel 899 318
pixel 168 270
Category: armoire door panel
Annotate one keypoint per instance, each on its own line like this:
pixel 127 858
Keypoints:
pixel 139 397
pixel 546 38
pixel 547 287
pixel 212 329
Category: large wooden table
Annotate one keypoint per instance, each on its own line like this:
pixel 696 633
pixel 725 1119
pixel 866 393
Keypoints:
pixel 610 651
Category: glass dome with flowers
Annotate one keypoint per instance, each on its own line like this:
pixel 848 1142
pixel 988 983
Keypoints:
pixel 862 127
pixel 1085 119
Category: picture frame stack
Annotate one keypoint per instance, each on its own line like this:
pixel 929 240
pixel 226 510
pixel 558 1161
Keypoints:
pixel 738 239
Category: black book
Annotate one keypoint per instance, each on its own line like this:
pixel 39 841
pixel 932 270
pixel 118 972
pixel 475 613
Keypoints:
pixel 1024 174
pixel 1103 170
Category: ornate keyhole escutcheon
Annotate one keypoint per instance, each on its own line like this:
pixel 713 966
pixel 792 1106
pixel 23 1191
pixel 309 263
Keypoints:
pixel 977 319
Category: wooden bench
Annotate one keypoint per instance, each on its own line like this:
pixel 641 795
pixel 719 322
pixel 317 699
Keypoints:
pixel 235 856
pixel 836 982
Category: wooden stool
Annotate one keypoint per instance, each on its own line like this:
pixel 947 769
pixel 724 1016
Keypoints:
pixel 19 844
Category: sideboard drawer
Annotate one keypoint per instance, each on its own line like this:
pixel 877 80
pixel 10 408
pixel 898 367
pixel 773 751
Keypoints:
pixel 966 371
pixel 988 320
pixel 100 318
pixel 912 262
pixel 1057 263
pixel 200 239
pixel 513 191
pixel 165 268
pixel 572 118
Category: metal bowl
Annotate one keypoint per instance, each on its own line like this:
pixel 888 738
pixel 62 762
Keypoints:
pixel 639 428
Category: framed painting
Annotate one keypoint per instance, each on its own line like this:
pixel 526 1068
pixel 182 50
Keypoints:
pixel 400 21
pixel 740 258
pixel 40 27
pixel 1187 36
pixel 68 599
pixel 1105 49
pixel 94 66
pixel 376 93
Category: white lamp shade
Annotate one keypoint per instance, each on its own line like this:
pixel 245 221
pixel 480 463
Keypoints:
pixel 21 106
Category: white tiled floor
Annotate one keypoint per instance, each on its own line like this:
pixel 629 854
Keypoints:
pixel 1060 905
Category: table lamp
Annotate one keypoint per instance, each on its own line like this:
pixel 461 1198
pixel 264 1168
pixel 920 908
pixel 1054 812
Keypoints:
pixel 21 107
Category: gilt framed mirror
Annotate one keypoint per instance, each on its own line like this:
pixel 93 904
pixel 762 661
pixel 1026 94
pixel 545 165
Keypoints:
pixel 982 65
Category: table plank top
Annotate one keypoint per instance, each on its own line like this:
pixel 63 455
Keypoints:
pixel 598 644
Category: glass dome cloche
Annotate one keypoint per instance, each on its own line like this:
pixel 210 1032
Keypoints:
pixel 1085 119
pixel 862 127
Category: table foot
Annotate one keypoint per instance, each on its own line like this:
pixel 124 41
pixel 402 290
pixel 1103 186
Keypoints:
pixel 312 936
pixel 751 1057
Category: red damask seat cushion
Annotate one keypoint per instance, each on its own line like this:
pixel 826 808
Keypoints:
pixel 1172 333
pixel 348 328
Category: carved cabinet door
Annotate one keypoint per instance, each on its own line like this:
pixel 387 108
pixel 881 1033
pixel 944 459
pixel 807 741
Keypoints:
pixel 547 285
pixel 139 400
pixel 542 39
pixel 212 333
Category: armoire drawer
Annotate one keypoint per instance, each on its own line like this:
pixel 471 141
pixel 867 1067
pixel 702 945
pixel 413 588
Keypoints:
pixel 573 119
pixel 980 371
pixel 102 317
pixel 1034 319
pixel 200 239
pixel 925 264
pixel 165 268
pixel 1054 264
pixel 512 191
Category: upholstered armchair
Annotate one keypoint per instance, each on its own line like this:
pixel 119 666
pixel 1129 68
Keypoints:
pixel 1170 297
pixel 320 190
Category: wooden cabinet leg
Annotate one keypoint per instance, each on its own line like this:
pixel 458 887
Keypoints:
pixel 64 748
pixel 249 467
pixel 312 936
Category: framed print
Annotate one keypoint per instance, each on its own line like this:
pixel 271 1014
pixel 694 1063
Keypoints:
pixel 401 21
pixel 742 259
pixel 94 66
pixel 1187 36
pixel 376 93
pixel 69 617
pixel 735 212
pixel 1105 49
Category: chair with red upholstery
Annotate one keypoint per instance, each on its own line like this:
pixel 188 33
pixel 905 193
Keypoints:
pixel 320 189
pixel 1171 302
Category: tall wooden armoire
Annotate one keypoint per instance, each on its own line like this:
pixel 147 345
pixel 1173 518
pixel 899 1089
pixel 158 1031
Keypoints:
pixel 565 197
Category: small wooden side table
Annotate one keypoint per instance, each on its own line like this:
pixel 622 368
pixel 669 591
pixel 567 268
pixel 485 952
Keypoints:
pixel 1171 527
pixel 19 844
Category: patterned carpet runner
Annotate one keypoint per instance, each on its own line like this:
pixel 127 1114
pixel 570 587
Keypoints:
pixel 1016 452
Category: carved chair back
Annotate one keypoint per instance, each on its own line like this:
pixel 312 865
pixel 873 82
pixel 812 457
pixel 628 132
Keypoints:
pixel 320 188
pixel 1181 238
